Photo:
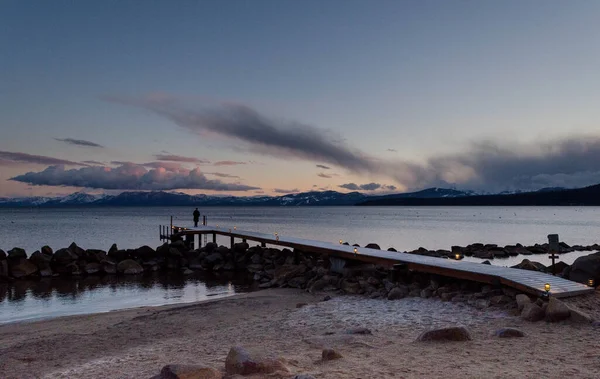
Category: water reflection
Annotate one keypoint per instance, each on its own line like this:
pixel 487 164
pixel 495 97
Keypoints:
pixel 52 297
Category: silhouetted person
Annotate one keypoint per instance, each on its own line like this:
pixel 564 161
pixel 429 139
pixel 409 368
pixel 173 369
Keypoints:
pixel 196 217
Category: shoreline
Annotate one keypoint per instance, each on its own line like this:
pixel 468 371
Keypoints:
pixel 296 325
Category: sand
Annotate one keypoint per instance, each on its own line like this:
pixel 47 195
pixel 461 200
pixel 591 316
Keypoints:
pixel 137 343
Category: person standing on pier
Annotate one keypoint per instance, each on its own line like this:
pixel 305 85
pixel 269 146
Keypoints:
pixel 196 217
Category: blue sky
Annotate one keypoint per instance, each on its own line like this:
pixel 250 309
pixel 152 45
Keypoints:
pixel 406 94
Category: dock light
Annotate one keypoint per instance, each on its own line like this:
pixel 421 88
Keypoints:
pixel 276 236
pixel 355 251
pixel 547 287
pixel 590 283
pixel 457 256
pixel 235 228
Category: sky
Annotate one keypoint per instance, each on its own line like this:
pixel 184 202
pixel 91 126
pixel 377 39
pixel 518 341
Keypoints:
pixel 269 97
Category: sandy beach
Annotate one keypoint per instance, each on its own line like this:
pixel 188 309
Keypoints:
pixel 137 343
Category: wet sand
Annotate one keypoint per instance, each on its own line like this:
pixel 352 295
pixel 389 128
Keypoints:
pixel 137 343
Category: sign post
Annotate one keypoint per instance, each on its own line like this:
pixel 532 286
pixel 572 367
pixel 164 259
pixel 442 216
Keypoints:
pixel 553 249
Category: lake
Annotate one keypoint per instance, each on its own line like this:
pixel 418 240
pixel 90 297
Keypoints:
pixel 405 228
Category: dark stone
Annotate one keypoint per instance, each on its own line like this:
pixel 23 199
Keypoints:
pixel 240 247
pixel 118 255
pixel 2 254
pixel 508 333
pixel 92 268
pixel 373 246
pixel 41 261
pixel 362 331
pixel 113 248
pixel 486 263
pixel 22 269
pixel 532 312
pixel 96 256
pixel 398 293
pixel 129 267
pixel 330 355
pixel 210 247
pixel 526 264
pixel 47 250
pixel 63 257
pixel 145 253
pixel 392 249
pixel 16 253
pixel 585 268
pixel 77 250
pixel 445 334
pixel 557 310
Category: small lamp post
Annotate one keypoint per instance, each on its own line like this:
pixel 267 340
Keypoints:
pixel 276 236
pixel 547 288
pixel 458 256
pixel 235 228
pixel 355 251
pixel 591 283
pixel 341 242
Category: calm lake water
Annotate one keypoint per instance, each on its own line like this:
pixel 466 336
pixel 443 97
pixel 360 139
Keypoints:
pixel 405 228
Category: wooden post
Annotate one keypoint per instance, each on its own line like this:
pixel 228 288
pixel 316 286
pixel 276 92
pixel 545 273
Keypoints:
pixel 262 244
pixel 243 240
pixel 171 224
pixel 204 220
pixel 214 237
pixel 232 242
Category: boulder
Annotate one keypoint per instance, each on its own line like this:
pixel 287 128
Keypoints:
pixel 3 270
pixel 113 248
pixel 109 267
pixel 303 376
pixel 458 333
pixel 426 293
pixel 557 310
pixel 330 355
pixel 398 293
pixel 22 269
pixel 145 253
pixel 508 333
pixel 96 255
pixel 361 331
pixel 16 253
pixel 500 299
pixel 63 257
pixel 350 287
pixel 526 264
pixel 210 247
pixel 189 372
pixel 77 250
pixel 163 250
pixel 522 300
pixel 118 255
pixel 213 259
pixel 585 268
pixel 92 268
pixel 532 312
pixel 392 249
pixel 284 273
pixel 2 255
pixel 42 261
pixel 240 361
pixel 579 317
pixel 47 250
pixel 129 267
pixel 240 247
pixel 373 246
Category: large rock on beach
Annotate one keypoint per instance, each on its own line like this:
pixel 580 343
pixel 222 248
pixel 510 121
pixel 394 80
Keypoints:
pixel 2 254
pixel 526 264
pixel 144 252
pixel 585 268
pixel 532 312
pixel 240 361
pixel 373 246
pixel 47 250
pixel 23 269
pixel 92 268
pixel 109 267
pixel 77 250
pixel 96 256
pixel 42 261
pixel 119 255
pixel 189 372
pixel 3 270
pixel 284 273
pixel 330 355
pixel 522 300
pixel 557 310
pixel 63 257
pixel 16 253
pixel 129 267
pixel 457 333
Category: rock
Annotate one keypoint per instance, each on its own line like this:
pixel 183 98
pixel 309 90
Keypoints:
pixel 415 292
pixel 3 270
pixel 508 333
pixel 500 299
pixel 92 268
pixel 585 268
pixel 373 246
pixel 109 267
pixel 398 293
pixel 486 263
pixel 286 272
pixel 240 247
pixel 579 317
pixel 532 312
pixel 350 287
pixel 327 298
pixel 482 304
pixel 297 282
pixel 63 257
pixel 522 300
pixel 145 253
pixel 42 261
pixel 47 250
pixel 303 376
pixel 557 310
pixel 213 259
pixel 189 372
pixel 361 331
pixel 526 264
pixel 392 249
pixel 2 255
pixel 113 248
pixel 210 247
pixel 119 255
pixel 16 253
pixel 426 293
pixel 22 269
pixel 241 362
pixel 96 256
pixel 77 250
pixel 129 267
pixel 446 334
pixel 447 296
pixel 330 355
pixel 300 305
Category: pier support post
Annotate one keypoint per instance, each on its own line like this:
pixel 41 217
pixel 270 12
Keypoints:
pixel 262 244
pixel 243 240
pixel 214 237
pixel 232 242
pixel 189 241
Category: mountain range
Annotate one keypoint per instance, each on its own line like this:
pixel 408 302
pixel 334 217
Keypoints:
pixel 431 196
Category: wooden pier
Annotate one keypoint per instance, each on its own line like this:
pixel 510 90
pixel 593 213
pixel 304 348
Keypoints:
pixel 532 282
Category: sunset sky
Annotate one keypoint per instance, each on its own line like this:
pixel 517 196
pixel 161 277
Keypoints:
pixel 252 97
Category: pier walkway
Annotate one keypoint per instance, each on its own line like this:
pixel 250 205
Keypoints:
pixel 531 282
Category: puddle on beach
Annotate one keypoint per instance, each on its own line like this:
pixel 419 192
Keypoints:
pixel 30 300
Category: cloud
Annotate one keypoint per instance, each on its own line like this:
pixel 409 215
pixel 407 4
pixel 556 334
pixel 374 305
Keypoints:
pixel 178 158
pixel 323 175
pixel 12 158
pixel 79 142
pixel 127 177
pixel 366 187
pixel 323 167
pixel 265 135
pixel 392 150
pixel 222 175
pixel 228 163
pixel 390 187
pixel 484 165
pixel 94 163
pixel 285 191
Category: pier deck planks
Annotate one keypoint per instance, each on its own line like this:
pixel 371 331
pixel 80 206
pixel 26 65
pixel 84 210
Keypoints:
pixel 524 280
